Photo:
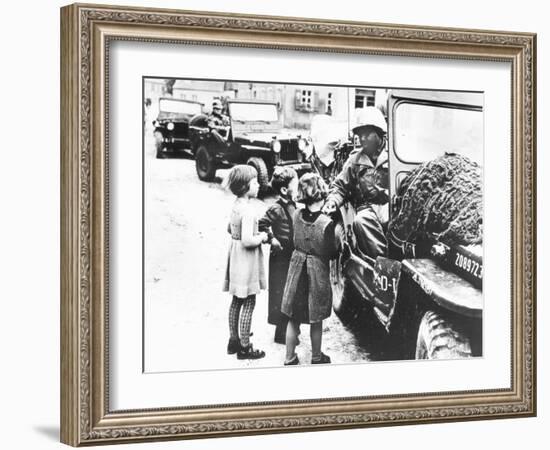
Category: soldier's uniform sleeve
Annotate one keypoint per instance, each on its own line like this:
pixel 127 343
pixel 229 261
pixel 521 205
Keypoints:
pixel 382 180
pixel 342 184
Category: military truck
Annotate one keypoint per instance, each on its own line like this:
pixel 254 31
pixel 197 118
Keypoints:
pixel 426 293
pixel 255 136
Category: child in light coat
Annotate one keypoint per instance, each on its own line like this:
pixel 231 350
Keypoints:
pixel 245 272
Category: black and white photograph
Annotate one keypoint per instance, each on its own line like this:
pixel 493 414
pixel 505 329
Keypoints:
pixel 275 225
pixel 288 224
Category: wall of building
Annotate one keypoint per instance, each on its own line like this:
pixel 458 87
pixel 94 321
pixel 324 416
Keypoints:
pixel 297 104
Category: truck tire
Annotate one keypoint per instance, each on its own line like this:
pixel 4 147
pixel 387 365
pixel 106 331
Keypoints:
pixel 344 300
pixel 205 164
pixel 438 339
pixel 345 304
pixel 159 145
pixel 263 174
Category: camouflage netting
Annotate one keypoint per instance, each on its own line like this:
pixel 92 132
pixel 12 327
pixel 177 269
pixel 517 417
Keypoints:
pixel 444 197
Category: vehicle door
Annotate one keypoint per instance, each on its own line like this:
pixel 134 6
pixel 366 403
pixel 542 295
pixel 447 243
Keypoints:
pixel 423 125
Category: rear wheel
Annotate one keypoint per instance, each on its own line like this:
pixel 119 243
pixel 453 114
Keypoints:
pixel 263 174
pixel 159 145
pixel 345 302
pixel 205 164
pixel 439 339
pixel 344 297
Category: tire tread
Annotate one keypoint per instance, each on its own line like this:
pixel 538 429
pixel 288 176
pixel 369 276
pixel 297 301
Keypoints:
pixel 438 339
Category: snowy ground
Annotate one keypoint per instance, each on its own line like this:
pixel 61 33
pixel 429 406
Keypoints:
pixel 185 248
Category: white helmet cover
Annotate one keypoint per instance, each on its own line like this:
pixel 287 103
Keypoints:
pixel 370 116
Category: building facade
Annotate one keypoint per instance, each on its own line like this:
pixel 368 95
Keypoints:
pixel 297 104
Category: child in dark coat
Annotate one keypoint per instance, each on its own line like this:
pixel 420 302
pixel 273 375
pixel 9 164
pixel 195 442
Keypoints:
pixel 307 297
pixel 277 222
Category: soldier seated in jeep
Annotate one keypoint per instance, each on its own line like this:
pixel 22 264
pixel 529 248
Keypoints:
pixel 364 182
pixel 218 122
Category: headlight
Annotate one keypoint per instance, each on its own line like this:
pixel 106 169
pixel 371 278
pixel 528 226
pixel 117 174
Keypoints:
pixel 302 144
pixel 276 146
pixel 170 126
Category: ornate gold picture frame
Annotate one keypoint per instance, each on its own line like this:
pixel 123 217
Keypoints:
pixel 87 32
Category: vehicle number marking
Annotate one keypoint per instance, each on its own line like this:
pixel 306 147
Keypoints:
pixel 469 265
pixel 383 284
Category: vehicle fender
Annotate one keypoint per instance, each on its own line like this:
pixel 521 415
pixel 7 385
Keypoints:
pixel 445 288
pixel 376 283
pixel 247 151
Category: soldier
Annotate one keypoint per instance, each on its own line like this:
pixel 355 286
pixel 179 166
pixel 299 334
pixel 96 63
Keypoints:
pixel 364 182
pixel 217 121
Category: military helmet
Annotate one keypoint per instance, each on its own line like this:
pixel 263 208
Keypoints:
pixel 370 116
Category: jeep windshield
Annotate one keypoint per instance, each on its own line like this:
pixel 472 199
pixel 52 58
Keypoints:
pixel 254 112
pixel 423 132
pixel 172 106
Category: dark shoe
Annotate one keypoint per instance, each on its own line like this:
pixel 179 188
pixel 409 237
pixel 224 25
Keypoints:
pixel 293 362
pixel 250 353
pixel 233 346
pixel 324 359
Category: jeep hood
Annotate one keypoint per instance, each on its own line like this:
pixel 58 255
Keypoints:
pixel 266 136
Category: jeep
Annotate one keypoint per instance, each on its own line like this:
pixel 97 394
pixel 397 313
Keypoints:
pixel 174 129
pixel 254 136
pixel 426 293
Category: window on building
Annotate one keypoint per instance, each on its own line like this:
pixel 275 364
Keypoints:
pixel 307 100
pixel 330 103
pixel 364 98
